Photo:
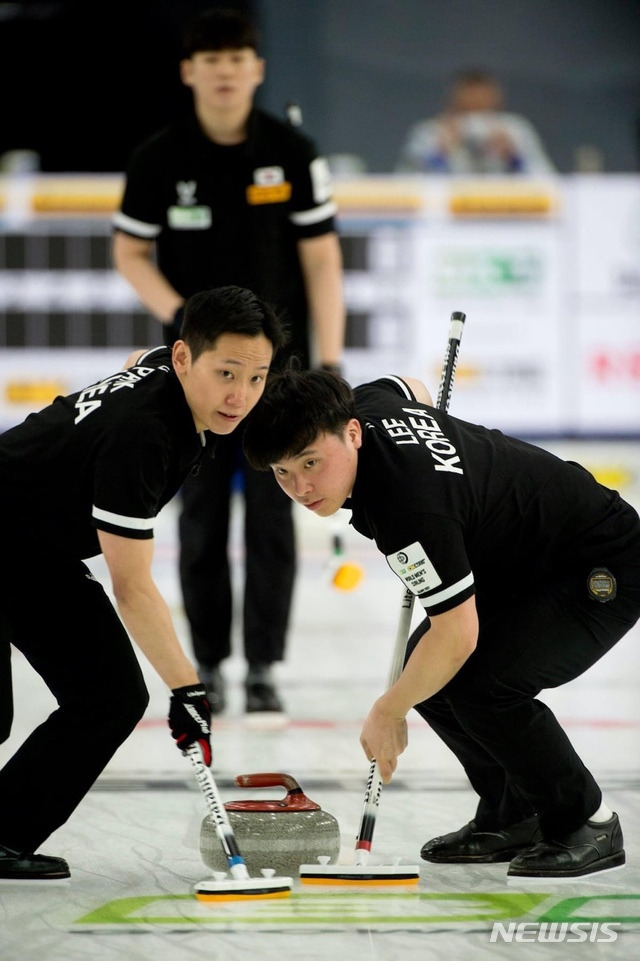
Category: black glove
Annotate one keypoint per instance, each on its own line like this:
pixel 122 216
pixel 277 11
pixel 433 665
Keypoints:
pixel 332 369
pixel 190 718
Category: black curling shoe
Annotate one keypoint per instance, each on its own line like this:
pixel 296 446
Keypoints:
pixel 215 687
pixel 261 692
pixel 15 866
pixel 262 696
pixel 596 846
pixel 471 846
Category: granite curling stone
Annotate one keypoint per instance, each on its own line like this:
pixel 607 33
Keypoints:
pixel 281 834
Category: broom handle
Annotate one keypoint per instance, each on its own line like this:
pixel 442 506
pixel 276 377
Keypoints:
pixel 207 785
pixel 374 781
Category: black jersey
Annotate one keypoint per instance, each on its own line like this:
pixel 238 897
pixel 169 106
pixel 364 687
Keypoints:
pixel 224 215
pixel 107 457
pixel 458 508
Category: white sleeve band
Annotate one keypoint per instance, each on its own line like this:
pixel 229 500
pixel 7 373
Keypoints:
pixel 314 216
pixel 447 593
pixel 122 520
pixel 136 227
pixel 397 380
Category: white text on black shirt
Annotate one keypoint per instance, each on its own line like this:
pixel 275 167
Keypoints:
pixel 422 426
pixel 87 402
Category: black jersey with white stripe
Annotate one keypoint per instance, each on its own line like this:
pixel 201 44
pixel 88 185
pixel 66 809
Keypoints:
pixel 232 214
pixel 460 509
pixel 105 458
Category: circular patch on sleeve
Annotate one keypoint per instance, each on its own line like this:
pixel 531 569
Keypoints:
pixel 601 585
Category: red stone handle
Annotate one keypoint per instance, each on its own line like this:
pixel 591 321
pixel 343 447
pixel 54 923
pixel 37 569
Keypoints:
pixel 267 780
pixel 294 800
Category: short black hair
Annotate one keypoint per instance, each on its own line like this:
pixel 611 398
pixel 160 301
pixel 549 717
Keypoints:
pixel 474 75
pixel 219 29
pixel 229 310
pixel 297 406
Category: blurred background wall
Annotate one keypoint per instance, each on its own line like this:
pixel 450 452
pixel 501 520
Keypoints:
pixel 362 70
pixel 548 269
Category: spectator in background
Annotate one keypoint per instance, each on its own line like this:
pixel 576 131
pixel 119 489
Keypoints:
pixel 233 195
pixel 474 135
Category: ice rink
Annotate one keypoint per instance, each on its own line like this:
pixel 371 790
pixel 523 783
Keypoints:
pixel 133 844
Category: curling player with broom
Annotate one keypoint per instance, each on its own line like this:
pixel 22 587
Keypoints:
pixel 528 571
pixel 88 475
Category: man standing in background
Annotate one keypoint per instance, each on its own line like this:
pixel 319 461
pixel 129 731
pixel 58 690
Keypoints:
pixel 232 195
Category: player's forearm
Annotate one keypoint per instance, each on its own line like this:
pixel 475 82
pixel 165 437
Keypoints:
pixel 328 319
pixel 151 286
pixel 433 662
pixel 148 621
pixel 322 269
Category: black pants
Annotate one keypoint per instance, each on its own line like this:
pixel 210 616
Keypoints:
pixel 270 558
pixel 513 750
pixel 65 625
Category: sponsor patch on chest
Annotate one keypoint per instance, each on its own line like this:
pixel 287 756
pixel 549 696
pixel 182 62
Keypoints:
pixel 189 218
pixel 412 566
pixel 269 193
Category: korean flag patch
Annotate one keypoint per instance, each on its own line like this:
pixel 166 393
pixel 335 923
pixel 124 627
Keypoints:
pixel 412 566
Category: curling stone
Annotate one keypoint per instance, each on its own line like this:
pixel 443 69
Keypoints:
pixel 281 834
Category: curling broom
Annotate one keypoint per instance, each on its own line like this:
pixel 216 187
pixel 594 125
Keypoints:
pixel 240 886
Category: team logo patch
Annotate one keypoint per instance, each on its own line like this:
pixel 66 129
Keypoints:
pixel 186 192
pixel 186 213
pixel 268 176
pixel 320 179
pixel 602 585
pixel 412 566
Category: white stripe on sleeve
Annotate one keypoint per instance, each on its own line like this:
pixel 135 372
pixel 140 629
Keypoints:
pixel 447 593
pixel 122 520
pixel 136 227
pixel 147 354
pixel 396 380
pixel 303 218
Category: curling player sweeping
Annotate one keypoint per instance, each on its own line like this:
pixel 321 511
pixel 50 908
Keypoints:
pixel 88 475
pixel 528 571
pixel 362 872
